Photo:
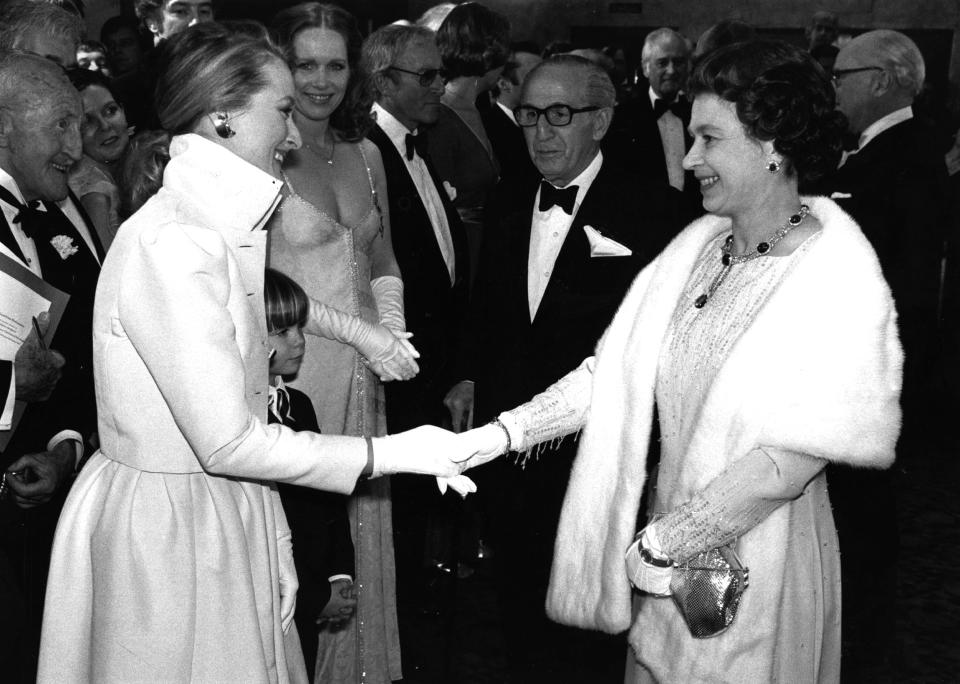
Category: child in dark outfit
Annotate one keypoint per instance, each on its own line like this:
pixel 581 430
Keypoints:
pixel 322 547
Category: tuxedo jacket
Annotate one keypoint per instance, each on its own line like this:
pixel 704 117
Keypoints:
pixel 634 143
pixel 433 307
pixel 895 188
pixel 322 546
pixel 72 405
pixel 510 357
pixel 509 146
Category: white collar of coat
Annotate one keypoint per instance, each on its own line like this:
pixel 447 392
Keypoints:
pixel 229 192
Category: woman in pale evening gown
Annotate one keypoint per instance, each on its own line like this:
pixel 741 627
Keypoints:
pixel 332 235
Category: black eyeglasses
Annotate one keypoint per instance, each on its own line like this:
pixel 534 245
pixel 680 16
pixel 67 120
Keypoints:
pixel 557 114
pixel 424 78
pixel 840 73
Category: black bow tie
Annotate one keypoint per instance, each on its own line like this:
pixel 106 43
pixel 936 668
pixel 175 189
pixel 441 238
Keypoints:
pixel 416 143
pixel 29 217
pixel 564 198
pixel 661 107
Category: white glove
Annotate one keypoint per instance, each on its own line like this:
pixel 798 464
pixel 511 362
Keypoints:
pixel 461 484
pixel 426 450
pixel 647 577
pixel 484 443
pixel 388 294
pixel 388 355
pixel 288 577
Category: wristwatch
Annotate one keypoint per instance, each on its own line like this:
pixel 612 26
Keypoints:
pixel 647 557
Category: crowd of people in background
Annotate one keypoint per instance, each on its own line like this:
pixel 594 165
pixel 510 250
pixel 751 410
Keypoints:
pixel 699 301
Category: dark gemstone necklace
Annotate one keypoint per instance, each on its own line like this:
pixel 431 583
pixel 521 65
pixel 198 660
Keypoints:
pixel 728 259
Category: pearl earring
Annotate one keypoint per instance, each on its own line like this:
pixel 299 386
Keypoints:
pixel 222 127
pixel 773 166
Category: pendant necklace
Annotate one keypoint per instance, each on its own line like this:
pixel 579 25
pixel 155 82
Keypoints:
pixel 319 152
pixel 727 259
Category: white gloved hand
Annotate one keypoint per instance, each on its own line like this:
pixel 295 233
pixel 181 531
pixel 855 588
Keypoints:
pixel 461 484
pixel 485 443
pixel 388 294
pixel 388 355
pixel 652 579
pixel 426 450
pixel 288 580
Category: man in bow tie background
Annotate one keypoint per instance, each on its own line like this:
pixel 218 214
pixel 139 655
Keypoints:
pixel 650 128
pixel 558 256
pixel 44 228
pixel 402 65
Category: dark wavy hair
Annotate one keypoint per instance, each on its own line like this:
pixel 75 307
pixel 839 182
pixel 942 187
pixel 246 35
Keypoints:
pixel 473 40
pixel 781 94
pixel 351 120
pixel 81 79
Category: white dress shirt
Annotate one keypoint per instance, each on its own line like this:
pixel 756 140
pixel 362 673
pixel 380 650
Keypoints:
pixel 509 112
pixel 548 230
pixel 674 147
pixel 426 188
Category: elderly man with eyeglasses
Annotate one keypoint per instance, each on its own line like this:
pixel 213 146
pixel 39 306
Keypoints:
pixel 559 253
pixel 894 185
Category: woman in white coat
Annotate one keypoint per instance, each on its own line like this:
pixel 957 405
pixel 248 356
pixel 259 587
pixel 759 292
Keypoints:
pixel 765 336
pixel 172 560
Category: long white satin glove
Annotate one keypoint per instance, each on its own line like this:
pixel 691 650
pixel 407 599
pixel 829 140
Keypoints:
pixel 288 579
pixel 652 579
pixel 484 443
pixel 388 294
pixel 461 484
pixel 426 450
pixel 387 355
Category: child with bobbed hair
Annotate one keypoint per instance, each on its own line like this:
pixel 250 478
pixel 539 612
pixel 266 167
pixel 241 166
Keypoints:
pixel 323 553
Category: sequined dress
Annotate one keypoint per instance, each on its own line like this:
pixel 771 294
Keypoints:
pixel 332 262
pixel 696 347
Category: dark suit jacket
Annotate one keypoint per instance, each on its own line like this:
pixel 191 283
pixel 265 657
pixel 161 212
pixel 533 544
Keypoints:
pixel 634 143
pixel 511 358
pixel 433 307
pixel 509 146
pixel 322 546
pixel 6 373
pixel 898 195
pixel 72 404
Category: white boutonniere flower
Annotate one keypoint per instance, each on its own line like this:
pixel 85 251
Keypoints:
pixel 451 191
pixel 64 246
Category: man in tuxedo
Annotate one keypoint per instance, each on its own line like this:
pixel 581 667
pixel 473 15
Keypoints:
pixel 43 226
pixel 502 129
pixel 559 254
pixel 895 186
pixel 650 128
pixel 403 66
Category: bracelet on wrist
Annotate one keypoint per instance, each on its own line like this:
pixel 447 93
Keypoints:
pixel 499 424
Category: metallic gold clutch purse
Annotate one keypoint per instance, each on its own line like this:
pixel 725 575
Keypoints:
pixel 707 590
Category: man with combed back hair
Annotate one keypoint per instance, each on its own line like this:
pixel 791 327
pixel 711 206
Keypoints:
pixel 560 251
pixel 894 186
pixel 41 28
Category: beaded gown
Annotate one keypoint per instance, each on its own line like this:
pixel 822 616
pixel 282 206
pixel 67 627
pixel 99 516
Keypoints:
pixel 332 262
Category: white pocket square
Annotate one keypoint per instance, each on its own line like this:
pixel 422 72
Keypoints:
pixel 603 246
pixel 840 195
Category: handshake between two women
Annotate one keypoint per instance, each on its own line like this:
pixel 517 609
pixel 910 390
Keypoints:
pixel 430 450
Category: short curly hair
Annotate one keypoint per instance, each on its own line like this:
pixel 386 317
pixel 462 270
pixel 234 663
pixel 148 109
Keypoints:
pixel 782 95
pixel 473 40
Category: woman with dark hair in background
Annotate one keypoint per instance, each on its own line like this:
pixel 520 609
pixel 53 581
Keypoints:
pixel 105 138
pixel 172 559
pixel 331 235
pixel 474 43
pixel 765 337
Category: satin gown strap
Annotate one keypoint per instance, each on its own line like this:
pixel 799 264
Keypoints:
pixel 373 187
